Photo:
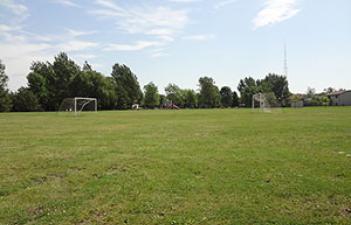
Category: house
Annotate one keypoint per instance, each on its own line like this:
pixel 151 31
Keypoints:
pixel 340 98
pixel 296 103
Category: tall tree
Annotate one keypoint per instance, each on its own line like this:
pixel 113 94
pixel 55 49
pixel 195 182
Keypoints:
pixel 65 70
pixel 3 77
pixel 163 100
pixel 329 90
pixel 311 92
pixel 316 99
pixel 128 88
pixel 277 84
pixel 175 94
pixel 24 100
pixel 41 81
pixel 236 100
pixel 247 88
pixel 5 99
pixel 87 67
pixel 209 93
pixel 50 82
pixel 109 87
pixel 226 96
pixel 151 97
pixel 92 84
pixel 190 99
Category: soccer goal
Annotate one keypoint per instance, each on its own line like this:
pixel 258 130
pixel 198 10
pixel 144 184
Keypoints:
pixel 264 101
pixel 78 105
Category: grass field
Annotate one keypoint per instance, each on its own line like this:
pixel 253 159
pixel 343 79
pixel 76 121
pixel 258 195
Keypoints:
pixel 177 167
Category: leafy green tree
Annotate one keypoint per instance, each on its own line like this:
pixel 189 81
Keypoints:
pixel 175 94
pixel 5 99
pixel 271 99
pixel 209 93
pixel 325 101
pixel 152 97
pixel 109 94
pixel 50 82
pixel 311 92
pixel 316 99
pixel 92 84
pixel 24 100
pixel 247 88
pixel 163 100
pixel 198 99
pixel 3 77
pixel 226 96
pixel 86 84
pixel 272 83
pixel 65 70
pixel 190 99
pixel 235 100
pixel 41 82
pixel 277 84
pixel 296 97
pixel 330 90
pixel 128 88
pixel 87 67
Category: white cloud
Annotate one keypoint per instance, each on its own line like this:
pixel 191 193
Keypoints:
pixel 84 56
pixel 199 37
pixel 275 11
pixel 140 45
pixel 5 29
pixel 185 1
pixel 16 8
pixel 18 49
pixel 18 56
pixel 68 3
pixel 77 33
pixel 223 3
pixel 11 33
pixel 19 10
pixel 159 52
pixel 108 4
pixel 161 23
pixel 76 45
pixel 67 35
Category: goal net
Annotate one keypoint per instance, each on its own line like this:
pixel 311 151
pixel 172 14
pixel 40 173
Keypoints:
pixel 264 101
pixel 78 105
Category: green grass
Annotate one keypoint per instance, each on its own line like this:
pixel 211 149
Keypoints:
pixel 177 167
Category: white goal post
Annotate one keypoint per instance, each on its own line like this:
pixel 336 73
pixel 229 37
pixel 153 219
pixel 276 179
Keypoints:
pixel 78 104
pixel 257 98
pixel 266 101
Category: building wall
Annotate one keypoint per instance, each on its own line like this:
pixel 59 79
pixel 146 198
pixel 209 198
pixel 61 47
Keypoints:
pixel 334 100
pixel 343 99
pixel 296 104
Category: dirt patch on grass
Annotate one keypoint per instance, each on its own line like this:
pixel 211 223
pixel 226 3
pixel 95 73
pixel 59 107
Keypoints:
pixel 346 212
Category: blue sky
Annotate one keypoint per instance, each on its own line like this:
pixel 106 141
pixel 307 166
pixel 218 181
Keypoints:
pixel 177 41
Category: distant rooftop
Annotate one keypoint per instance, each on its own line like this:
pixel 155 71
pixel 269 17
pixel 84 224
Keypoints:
pixel 338 93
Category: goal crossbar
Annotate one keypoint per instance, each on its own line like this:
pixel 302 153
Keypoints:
pixel 81 98
pixel 78 104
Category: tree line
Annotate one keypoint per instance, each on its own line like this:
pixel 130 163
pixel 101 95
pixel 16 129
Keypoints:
pixel 50 83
